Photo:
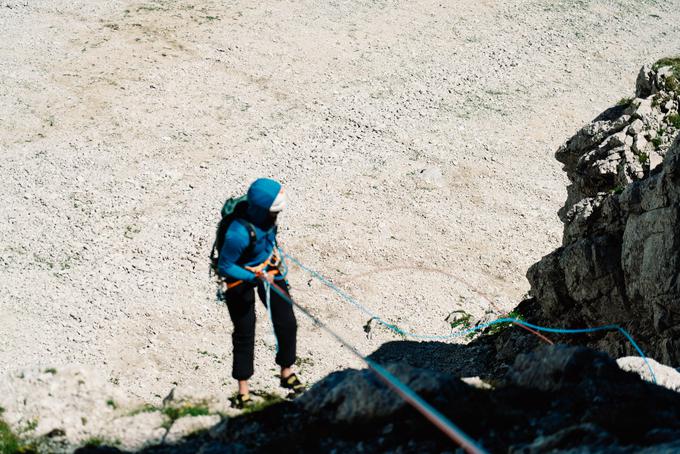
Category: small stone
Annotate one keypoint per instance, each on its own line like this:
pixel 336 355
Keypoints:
pixel 640 144
pixel 655 160
pixel 433 176
pixel 635 127
pixel 645 108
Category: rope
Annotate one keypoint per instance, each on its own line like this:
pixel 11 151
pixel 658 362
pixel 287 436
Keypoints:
pixel 480 327
pixel 267 291
pixel 404 391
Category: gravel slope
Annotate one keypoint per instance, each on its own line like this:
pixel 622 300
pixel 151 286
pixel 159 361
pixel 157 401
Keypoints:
pixel 408 134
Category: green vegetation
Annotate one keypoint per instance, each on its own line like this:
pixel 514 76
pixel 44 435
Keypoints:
pixel 268 400
pixel 624 102
pixel 301 362
pixel 173 413
pixel 95 442
pixel 618 189
pixel 673 62
pixel 497 328
pixel 111 403
pixel 30 425
pixel 673 80
pixel 643 158
pixel 462 321
pixel 9 442
pixel 674 120
pixel 658 140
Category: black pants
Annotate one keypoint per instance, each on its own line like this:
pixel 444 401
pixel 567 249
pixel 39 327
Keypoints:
pixel 241 305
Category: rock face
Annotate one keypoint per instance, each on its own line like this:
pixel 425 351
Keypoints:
pixel 626 142
pixel 620 258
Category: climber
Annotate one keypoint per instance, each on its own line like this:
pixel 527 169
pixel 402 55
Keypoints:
pixel 249 260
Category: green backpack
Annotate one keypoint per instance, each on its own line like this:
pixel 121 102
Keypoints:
pixel 235 208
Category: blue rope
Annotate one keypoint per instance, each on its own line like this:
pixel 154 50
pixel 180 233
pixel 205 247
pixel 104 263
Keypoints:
pixel 267 288
pixel 477 328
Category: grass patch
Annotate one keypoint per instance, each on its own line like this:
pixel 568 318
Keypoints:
pixel 674 120
pixel 174 413
pixel 673 62
pixel 9 442
pixel 459 320
pixel 624 102
pixel 111 403
pixel 462 321
pixel 268 400
pixel 643 158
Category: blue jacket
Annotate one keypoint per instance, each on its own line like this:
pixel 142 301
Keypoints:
pixel 232 260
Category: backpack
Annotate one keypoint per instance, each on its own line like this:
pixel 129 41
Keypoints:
pixel 235 208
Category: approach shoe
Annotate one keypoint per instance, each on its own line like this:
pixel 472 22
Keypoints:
pixel 241 401
pixel 293 383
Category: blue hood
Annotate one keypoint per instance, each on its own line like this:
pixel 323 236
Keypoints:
pixel 261 196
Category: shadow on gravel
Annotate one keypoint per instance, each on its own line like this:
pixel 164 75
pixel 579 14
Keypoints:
pixel 458 360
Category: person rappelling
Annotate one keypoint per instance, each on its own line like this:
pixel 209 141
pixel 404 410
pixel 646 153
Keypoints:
pixel 246 257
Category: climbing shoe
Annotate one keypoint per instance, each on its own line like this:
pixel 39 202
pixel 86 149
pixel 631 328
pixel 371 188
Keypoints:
pixel 241 401
pixel 293 383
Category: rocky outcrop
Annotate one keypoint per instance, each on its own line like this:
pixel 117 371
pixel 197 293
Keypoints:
pixel 620 258
pixel 556 398
pixel 627 142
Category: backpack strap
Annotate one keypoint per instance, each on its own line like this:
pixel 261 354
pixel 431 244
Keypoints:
pixel 252 235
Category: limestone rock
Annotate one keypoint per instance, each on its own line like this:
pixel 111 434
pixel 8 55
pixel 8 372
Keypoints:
pixel 620 263
pixel 665 376
pixel 644 85
pixel 613 150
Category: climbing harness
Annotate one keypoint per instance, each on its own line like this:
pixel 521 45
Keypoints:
pixel 269 266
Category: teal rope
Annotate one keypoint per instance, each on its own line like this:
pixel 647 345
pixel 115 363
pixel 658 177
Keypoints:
pixel 267 290
pixel 477 328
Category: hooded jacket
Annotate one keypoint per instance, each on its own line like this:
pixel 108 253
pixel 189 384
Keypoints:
pixel 261 196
